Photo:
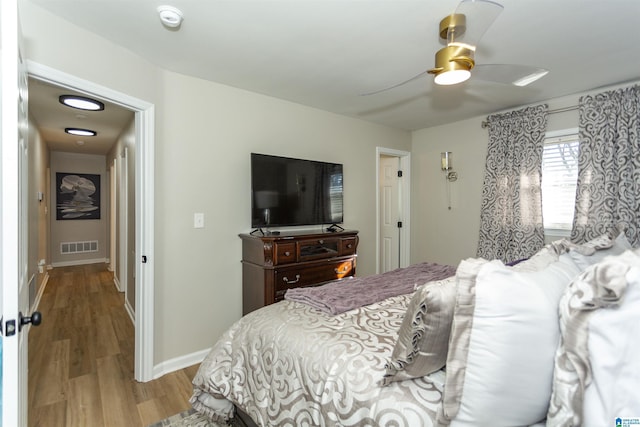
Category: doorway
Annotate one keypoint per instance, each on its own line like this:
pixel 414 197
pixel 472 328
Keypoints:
pixel 144 211
pixel 393 180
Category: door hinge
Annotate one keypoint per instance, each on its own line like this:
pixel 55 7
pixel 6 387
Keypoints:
pixel 399 174
pixel 10 328
pixel 399 224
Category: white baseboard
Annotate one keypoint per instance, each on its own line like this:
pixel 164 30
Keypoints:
pixel 36 303
pixel 117 283
pixel 130 311
pixel 78 262
pixel 179 363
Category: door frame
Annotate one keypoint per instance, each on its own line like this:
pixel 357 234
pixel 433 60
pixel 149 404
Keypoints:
pixel 144 204
pixel 405 204
pixel 14 280
pixel 113 228
pixel 123 239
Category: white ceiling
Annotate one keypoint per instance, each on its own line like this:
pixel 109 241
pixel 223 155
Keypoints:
pixel 325 53
pixel 52 118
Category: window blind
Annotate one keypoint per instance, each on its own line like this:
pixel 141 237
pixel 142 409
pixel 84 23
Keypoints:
pixel 559 180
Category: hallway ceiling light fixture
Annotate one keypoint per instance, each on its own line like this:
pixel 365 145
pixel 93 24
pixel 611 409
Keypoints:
pixel 80 132
pixel 170 16
pixel 81 102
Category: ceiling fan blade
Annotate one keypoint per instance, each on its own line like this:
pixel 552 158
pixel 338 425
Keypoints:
pixel 518 75
pixel 470 21
pixel 395 85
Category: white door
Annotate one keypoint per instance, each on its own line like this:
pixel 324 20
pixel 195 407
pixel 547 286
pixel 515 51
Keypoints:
pixel 389 213
pixel 13 255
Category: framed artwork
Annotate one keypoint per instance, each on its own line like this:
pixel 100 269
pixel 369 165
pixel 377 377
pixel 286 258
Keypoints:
pixel 77 196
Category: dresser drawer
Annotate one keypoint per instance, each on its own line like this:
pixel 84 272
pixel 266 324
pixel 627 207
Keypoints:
pixel 285 253
pixel 296 277
pixel 272 263
pixel 319 248
pixel 349 246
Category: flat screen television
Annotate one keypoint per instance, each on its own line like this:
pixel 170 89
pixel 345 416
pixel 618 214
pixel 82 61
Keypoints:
pixel 288 192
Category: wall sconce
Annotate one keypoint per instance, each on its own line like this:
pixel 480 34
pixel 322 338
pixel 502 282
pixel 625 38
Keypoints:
pixel 446 164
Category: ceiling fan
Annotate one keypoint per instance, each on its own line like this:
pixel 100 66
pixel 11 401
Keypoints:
pixel 462 30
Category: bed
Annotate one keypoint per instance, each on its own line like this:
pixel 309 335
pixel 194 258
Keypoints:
pixel 293 364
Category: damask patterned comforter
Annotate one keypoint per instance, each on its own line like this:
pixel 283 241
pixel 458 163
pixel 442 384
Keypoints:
pixel 337 297
pixel 289 364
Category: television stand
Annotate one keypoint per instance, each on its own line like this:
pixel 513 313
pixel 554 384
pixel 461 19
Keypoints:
pixel 271 264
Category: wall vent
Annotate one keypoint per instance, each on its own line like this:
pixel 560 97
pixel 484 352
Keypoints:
pixel 67 248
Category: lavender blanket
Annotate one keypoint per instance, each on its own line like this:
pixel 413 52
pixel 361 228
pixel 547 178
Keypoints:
pixel 343 295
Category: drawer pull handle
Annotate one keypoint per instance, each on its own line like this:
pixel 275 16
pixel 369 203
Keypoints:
pixel 349 246
pixel 287 253
pixel 321 241
pixel 338 271
pixel 291 282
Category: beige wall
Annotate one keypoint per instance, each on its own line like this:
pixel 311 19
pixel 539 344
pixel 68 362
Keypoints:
pixel 127 141
pixel 447 236
pixel 204 134
pixel 38 211
pixel 204 166
pixel 79 230
pixel 439 234
pixel 56 43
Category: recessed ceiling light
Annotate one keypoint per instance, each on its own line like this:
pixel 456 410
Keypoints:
pixel 80 132
pixel 81 102
pixel 170 16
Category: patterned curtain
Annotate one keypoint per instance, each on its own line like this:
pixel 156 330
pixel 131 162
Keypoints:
pixel 608 191
pixel 511 218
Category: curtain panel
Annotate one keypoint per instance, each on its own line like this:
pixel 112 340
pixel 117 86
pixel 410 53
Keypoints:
pixel 608 192
pixel 511 225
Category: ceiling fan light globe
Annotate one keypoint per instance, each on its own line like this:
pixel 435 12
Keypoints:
pixel 453 65
pixel 452 77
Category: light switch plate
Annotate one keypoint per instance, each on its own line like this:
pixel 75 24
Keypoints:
pixel 198 220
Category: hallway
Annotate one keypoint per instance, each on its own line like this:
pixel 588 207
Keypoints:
pixel 81 358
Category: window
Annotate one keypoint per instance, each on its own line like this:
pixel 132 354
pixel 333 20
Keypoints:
pixel 559 180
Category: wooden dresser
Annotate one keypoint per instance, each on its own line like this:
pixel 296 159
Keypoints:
pixel 272 264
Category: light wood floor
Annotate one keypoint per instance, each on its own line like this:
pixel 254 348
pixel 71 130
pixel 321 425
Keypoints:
pixel 81 359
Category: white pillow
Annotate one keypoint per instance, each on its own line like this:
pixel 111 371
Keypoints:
pixel 545 256
pixel 614 353
pixel 503 341
pixel 604 246
pixel 597 373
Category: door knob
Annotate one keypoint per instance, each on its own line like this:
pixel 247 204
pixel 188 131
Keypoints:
pixel 35 319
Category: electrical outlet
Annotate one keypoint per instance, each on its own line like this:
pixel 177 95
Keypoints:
pixel 198 220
